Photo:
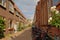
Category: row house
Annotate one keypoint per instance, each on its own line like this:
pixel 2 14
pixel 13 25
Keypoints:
pixel 11 14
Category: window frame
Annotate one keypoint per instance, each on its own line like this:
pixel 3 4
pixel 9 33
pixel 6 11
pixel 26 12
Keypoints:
pixel 3 3
pixel 11 7
pixel 17 13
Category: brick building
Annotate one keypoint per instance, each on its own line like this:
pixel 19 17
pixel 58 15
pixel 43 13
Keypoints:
pixel 42 14
pixel 11 14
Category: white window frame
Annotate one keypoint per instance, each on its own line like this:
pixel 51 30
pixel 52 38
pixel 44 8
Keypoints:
pixel 3 3
pixel 11 8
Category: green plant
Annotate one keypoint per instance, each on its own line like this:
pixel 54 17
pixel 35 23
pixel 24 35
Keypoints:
pixel 55 19
pixel 20 27
pixel 2 26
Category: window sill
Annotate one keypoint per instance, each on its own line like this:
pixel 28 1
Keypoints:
pixel 3 7
pixel 11 12
pixel 17 15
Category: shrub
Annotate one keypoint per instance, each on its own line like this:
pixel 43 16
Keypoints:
pixel 2 28
pixel 55 17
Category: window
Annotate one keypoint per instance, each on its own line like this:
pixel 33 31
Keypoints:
pixel 10 23
pixel 3 3
pixel 11 8
pixel 17 13
pixel 20 17
pixel 49 3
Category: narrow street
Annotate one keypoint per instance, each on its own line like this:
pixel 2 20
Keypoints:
pixel 30 20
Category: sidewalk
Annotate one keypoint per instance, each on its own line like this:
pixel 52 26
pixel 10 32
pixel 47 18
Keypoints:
pixel 22 35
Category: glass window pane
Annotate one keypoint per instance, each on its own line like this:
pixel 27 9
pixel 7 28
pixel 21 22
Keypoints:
pixel 3 3
pixel 17 13
pixel 11 8
pixel 0 2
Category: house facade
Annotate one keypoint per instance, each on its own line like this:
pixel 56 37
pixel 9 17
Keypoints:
pixel 11 14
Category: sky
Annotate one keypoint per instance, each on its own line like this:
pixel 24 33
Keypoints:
pixel 27 7
pixel 55 2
